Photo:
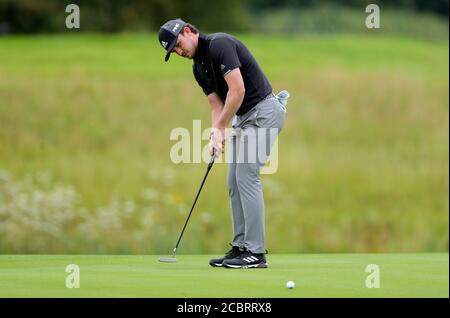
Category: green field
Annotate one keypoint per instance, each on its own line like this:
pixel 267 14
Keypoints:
pixel 315 275
pixel 84 146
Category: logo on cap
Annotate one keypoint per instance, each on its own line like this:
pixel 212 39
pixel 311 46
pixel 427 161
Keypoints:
pixel 168 34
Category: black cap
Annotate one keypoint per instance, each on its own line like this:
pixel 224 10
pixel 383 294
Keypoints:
pixel 168 35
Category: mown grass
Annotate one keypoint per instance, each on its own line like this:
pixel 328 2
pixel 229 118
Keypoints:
pixel 315 275
pixel 363 157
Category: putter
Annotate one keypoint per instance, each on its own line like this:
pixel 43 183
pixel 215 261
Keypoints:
pixel 173 258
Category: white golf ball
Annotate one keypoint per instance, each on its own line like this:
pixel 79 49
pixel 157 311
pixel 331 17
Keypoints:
pixel 290 284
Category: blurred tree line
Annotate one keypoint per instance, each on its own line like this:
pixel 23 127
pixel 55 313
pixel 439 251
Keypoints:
pixel 439 7
pixel 35 16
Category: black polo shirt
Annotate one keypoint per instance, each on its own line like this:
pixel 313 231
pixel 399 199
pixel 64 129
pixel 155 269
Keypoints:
pixel 218 54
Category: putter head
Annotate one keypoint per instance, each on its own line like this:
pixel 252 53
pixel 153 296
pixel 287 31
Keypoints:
pixel 168 259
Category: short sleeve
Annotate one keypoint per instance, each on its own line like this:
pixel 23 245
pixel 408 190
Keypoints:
pixel 202 80
pixel 224 54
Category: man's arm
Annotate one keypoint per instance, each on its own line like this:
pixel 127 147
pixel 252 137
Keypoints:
pixel 235 96
pixel 216 108
pixel 220 120
pixel 216 104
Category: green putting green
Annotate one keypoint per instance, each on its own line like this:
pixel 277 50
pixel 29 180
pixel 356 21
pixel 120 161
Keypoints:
pixel 315 275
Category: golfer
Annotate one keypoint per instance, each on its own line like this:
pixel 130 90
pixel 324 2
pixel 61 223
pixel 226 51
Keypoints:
pixel 237 90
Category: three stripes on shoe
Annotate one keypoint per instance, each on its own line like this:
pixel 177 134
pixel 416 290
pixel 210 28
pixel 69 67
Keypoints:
pixel 250 259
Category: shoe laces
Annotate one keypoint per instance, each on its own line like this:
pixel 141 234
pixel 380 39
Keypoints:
pixel 233 251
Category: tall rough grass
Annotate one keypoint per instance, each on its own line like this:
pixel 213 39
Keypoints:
pixel 40 215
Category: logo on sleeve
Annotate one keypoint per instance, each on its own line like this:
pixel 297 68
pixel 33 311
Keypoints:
pixel 222 66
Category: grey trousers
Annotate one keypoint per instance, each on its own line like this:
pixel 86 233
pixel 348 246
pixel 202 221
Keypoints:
pixel 251 140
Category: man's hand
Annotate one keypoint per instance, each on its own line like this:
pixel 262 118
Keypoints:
pixel 217 141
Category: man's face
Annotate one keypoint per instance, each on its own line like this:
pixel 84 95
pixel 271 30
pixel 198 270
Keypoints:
pixel 186 44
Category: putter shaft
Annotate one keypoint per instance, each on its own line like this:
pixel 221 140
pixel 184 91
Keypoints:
pixel 211 162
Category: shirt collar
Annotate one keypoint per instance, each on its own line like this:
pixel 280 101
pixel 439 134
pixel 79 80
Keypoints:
pixel 200 55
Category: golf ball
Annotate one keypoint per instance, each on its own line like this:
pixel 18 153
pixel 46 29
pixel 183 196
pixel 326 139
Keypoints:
pixel 290 284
